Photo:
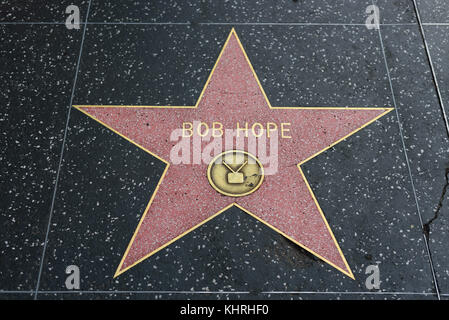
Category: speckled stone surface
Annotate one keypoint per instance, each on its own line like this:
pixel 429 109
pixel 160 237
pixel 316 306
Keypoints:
pixel 38 65
pixel 438 42
pixel 233 296
pixel 105 182
pixel 290 62
pixel 135 62
pixel 232 252
pixel 233 11
pixel 233 96
pixel 427 147
pixel 16 295
pixel 433 11
pixel 318 65
pixel 39 10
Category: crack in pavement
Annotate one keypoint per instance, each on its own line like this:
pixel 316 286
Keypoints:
pixel 426 226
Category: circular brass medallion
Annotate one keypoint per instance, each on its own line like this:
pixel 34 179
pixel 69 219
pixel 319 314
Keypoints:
pixel 235 173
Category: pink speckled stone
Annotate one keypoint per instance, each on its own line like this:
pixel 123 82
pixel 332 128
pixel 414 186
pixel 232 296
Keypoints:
pixel 185 198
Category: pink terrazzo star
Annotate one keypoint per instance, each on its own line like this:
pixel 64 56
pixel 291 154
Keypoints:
pixel 184 198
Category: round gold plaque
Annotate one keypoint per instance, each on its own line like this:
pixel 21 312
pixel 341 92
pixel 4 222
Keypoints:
pixel 235 173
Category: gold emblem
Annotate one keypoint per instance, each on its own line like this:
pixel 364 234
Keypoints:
pixel 235 173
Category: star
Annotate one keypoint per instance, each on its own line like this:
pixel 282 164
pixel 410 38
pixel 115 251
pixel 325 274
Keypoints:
pixel 184 198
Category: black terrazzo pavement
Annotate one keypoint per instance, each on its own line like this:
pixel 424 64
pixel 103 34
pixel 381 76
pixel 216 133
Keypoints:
pixel 38 64
pixel 374 192
pixel 39 11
